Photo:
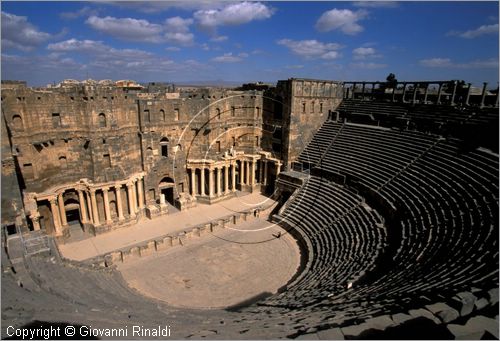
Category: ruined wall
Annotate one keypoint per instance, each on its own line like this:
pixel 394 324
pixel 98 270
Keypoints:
pixel 63 135
pixel 12 204
pixel 306 103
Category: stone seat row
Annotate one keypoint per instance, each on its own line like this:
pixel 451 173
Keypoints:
pixel 418 112
pixel 449 208
pixel 343 235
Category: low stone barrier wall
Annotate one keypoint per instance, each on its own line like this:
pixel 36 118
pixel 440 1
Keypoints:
pixel 165 242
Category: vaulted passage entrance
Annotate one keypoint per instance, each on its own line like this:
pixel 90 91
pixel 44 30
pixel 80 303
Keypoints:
pixel 166 187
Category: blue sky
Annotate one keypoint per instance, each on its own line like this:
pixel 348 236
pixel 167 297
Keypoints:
pixel 186 41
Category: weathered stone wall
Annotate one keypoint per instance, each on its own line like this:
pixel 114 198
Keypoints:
pixel 64 135
pixel 306 103
pixel 12 203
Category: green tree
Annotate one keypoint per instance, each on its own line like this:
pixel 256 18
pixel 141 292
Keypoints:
pixel 391 81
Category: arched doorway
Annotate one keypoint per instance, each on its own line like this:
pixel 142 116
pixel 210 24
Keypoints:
pixel 166 187
pixel 73 215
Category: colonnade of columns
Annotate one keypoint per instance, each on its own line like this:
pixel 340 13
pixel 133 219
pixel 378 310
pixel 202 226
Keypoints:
pixel 88 204
pixel 419 86
pixel 214 186
pixel 219 185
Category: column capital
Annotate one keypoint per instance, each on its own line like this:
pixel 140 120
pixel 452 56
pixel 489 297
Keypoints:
pixel 35 215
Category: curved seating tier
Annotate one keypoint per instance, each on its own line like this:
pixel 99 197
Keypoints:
pixel 344 234
pixel 445 219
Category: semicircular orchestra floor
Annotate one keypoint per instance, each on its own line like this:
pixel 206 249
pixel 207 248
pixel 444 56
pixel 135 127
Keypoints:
pixel 222 269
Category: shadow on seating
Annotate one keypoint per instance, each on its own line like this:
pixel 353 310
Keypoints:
pixel 420 328
pixel 254 299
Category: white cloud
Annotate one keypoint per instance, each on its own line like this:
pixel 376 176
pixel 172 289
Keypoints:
pixel 232 14
pixel 481 30
pixel 435 62
pixel 219 39
pixel 161 6
pixel 369 66
pixel 83 12
pixel 180 38
pixel 177 31
pixel 178 24
pixel 229 58
pixel 448 63
pixel 344 20
pixel 361 53
pixel 172 49
pixel 312 48
pixel 127 28
pixel 97 49
pixel 18 33
pixel 292 67
pixel 376 4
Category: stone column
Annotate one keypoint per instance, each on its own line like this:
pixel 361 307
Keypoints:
pixel 415 88
pixel 468 94
pixel 242 172
pixel 60 200
pixel 278 169
pixel 119 205
pixel 107 212
pixel 394 92
pixel 496 101
pixel 265 172
pixel 247 173
pixel 438 101
pixel 130 199
pixel 218 170
pixel 483 94
pixel 134 195
pixel 259 166
pixel 353 90
pixel 140 190
pixel 453 93
pixel 89 207
pixel 210 183
pixel 95 213
pixel 83 211
pixel 233 177
pixel 404 93
pixel 252 175
pixel 202 181
pixel 35 219
pixel 226 178
pixel 425 92
pixel 55 215
pixel 363 91
pixel 193 183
